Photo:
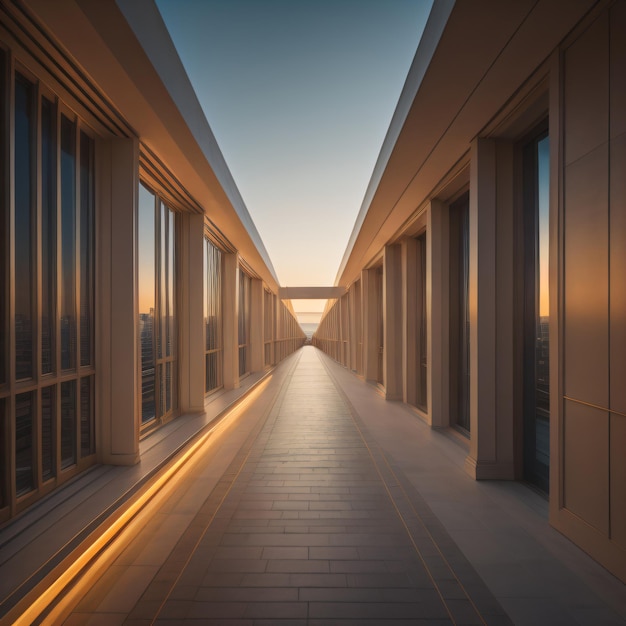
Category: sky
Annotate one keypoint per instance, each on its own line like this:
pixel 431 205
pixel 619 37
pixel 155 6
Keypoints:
pixel 299 95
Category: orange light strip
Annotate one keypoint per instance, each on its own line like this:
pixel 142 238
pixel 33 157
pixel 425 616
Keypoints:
pixel 109 544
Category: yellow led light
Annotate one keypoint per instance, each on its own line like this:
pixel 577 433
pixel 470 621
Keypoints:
pixel 89 564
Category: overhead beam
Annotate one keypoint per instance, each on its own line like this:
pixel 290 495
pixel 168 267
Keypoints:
pixel 310 293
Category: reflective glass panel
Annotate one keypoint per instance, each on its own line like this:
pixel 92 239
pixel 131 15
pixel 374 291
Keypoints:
pixel 24 196
pixel 4 240
pixel 147 302
pixel 86 250
pixel 537 312
pixel 24 448
pixel 48 421
pixel 68 423
pixel 87 443
pixel 48 234
pixel 68 244
pixel 4 455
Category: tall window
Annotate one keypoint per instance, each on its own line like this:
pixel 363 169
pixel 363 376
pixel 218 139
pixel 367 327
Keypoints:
pixel 157 307
pixel 268 326
pixel 380 378
pixel 245 284
pixel 212 317
pixel 46 397
pixel 536 178
pixel 421 398
pixel 459 314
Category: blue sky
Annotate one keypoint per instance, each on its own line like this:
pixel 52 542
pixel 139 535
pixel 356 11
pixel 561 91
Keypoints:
pixel 299 95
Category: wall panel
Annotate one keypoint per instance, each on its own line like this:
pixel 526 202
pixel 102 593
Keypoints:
pixel 586 278
pixel 586 437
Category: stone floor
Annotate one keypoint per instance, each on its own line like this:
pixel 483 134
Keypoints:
pixel 324 504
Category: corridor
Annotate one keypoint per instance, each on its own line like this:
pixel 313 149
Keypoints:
pixel 315 518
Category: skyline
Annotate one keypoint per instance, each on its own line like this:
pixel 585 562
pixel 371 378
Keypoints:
pixel 299 96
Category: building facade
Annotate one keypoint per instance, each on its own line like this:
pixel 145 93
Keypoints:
pixel 134 287
pixel 486 274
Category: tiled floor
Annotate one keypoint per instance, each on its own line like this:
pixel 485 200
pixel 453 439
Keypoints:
pixel 332 506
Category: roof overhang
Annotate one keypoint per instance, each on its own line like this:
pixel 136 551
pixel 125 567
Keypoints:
pixel 126 51
pixel 472 59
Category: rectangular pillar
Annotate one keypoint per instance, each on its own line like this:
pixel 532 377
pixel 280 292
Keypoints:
pixel 369 308
pixel 118 389
pixel 437 308
pixel 191 317
pixel 484 460
pixel 257 326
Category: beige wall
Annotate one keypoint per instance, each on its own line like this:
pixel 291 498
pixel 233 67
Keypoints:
pixel 581 85
pixel 589 481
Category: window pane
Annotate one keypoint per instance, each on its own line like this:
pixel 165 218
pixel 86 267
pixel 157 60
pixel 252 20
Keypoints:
pixel 24 449
pixel 68 423
pixel 48 409
pixel 171 302
pixel 4 455
pixel 168 387
pixel 422 364
pixel 86 250
pixel 24 179
pixel 87 432
pixel 213 314
pixel 68 244
pixel 48 234
pixel 162 278
pixel 146 273
pixel 4 241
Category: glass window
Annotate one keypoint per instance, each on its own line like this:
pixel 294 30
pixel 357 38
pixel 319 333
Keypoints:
pixel 24 445
pixel 422 334
pixel 268 323
pixel 68 423
pixel 68 244
pixel 48 422
pixel 86 250
pixel 87 426
pixel 536 181
pixel 24 197
pixel 52 157
pixel 48 234
pixel 157 306
pixel 147 304
pixel 212 316
pixel 4 240
pixel 381 324
pixel 244 322
pixel 459 314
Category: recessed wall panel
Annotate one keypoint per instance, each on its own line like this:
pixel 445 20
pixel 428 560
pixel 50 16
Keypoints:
pixel 618 479
pixel 586 464
pixel 618 275
pixel 618 69
pixel 586 302
pixel 586 91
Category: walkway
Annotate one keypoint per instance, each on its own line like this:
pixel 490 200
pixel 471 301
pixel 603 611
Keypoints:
pixel 308 513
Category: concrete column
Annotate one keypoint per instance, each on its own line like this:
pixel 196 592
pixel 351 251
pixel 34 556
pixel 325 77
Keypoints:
pixel 437 309
pixel 118 389
pixel 257 355
pixel 392 322
pixel 191 313
pixel 230 312
pixel 483 460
